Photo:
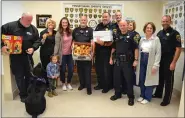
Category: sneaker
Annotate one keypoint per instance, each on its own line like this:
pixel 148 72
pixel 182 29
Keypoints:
pixel 140 99
pixel 69 87
pixel 50 94
pixel 64 87
pixel 144 101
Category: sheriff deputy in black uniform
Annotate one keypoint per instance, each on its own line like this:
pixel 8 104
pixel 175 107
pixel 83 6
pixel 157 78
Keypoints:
pixel 102 56
pixel 115 26
pixel 84 34
pixel 123 45
pixel 171 49
pixel 19 63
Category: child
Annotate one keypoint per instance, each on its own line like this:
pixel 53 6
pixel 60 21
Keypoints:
pixel 53 73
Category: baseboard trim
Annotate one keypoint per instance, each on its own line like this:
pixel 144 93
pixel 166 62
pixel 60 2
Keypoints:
pixel 177 93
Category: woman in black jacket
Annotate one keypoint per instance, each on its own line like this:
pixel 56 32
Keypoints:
pixel 47 37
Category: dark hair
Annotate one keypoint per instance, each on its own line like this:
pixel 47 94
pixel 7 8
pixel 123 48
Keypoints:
pixel 61 29
pixel 152 24
pixel 106 13
pixel 134 24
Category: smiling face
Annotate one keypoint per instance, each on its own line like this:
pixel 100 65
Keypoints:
pixel 123 26
pixel 166 21
pixel 118 16
pixel 105 18
pixel 83 21
pixel 149 30
pixel 64 24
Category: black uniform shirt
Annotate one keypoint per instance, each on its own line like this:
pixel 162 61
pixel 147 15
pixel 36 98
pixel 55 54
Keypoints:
pixel 124 44
pixel 48 46
pixel 115 27
pixel 101 27
pixel 82 34
pixel 135 36
pixel 30 34
pixel 170 39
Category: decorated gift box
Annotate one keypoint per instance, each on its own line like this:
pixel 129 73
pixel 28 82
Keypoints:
pixel 82 51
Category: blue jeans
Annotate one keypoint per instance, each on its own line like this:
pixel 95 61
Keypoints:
pixel 146 91
pixel 66 60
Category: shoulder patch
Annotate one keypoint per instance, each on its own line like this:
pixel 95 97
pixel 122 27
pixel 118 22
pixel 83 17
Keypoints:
pixel 178 38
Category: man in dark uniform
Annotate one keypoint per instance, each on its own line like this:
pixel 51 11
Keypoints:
pixel 84 34
pixel 115 26
pixel 123 45
pixel 171 49
pixel 20 63
pixel 102 56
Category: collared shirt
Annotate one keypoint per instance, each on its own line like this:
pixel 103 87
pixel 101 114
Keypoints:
pixel 146 44
pixel 170 39
pixel 82 34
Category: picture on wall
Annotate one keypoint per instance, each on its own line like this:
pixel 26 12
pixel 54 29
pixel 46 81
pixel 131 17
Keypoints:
pixel 93 12
pixel 176 11
pixel 41 20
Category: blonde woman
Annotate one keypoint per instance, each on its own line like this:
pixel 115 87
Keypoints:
pixel 47 37
pixel 147 75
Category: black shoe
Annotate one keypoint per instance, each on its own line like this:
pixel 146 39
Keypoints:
pixel 131 102
pixel 105 90
pixel 23 100
pixel 97 88
pixel 164 104
pixel 80 88
pixel 155 96
pixel 89 92
pixel 114 97
pixel 124 92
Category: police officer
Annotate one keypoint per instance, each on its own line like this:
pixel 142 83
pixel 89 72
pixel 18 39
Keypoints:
pixel 102 56
pixel 123 45
pixel 84 34
pixel 171 49
pixel 19 63
pixel 115 26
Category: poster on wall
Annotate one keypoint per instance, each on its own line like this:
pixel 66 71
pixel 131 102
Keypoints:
pixel 93 12
pixel 176 11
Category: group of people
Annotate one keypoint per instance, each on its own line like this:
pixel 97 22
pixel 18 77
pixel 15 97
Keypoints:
pixel 126 61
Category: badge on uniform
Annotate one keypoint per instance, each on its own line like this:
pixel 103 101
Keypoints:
pixel 167 34
pixel 178 37
pixel 106 29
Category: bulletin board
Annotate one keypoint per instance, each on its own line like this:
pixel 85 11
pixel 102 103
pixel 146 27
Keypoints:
pixel 176 11
pixel 73 11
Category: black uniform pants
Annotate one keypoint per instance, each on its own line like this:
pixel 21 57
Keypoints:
pixel 84 73
pixel 125 69
pixel 97 69
pixel 166 77
pixel 104 70
pixel 20 68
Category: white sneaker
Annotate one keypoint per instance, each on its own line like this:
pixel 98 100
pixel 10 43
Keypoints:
pixel 69 87
pixel 140 99
pixel 144 101
pixel 64 87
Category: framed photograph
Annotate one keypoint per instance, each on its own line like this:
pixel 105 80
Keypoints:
pixel 41 20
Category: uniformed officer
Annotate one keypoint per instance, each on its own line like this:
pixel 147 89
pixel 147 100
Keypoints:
pixel 20 63
pixel 171 49
pixel 115 26
pixel 123 45
pixel 83 33
pixel 102 56
pixel 135 36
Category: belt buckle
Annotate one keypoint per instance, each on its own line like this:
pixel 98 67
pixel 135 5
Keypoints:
pixel 123 57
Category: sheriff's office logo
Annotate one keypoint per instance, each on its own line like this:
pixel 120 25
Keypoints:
pixel 95 15
pixel 99 16
pixel 76 25
pixel 114 11
pixel 66 15
pixel 71 26
pixel 76 21
pixel 90 15
pixel 92 23
pixel 71 9
pixel 71 20
pixel 76 9
pixel 71 15
pixel 81 10
pixel 100 10
pixel 178 37
pixel 80 14
pixel 180 15
pixel 90 10
pixel 66 9
pixel 95 10
pixel 85 10
pixel 118 10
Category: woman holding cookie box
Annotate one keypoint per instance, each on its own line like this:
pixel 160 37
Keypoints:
pixel 47 38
